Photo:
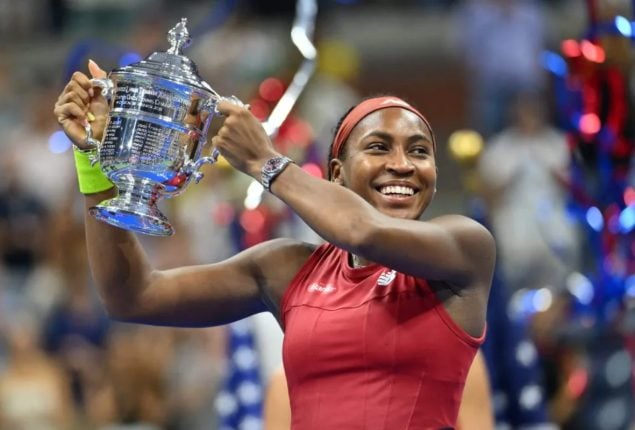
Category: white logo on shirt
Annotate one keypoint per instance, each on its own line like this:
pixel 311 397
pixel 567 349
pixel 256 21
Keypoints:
pixel 317 288
pixel 386 278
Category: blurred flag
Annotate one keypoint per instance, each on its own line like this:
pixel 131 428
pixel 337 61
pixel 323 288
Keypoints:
pixel 239 403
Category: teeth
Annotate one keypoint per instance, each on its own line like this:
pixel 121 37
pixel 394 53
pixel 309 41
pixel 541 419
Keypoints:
pixel 397 189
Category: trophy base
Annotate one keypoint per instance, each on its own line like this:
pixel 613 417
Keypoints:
pixel 134 209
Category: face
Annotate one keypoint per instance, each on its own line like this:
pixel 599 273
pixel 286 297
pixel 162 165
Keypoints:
pixel 390 163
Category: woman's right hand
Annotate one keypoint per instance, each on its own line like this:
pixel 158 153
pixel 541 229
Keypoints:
pixel 81 102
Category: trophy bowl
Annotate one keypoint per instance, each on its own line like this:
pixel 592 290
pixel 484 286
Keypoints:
pixel 160 112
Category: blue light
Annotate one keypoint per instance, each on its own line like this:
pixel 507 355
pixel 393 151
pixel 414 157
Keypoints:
pixel 627 219
pixel 59 143
pixel 594 218
pixel 629 286
pixel 129 58
pixel 624 26
pixel 554 63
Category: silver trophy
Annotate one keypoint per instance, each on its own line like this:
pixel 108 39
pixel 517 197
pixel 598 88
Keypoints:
pixel 160 112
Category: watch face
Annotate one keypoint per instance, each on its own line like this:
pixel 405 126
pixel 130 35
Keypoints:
pixel 272 168
pixel 274 163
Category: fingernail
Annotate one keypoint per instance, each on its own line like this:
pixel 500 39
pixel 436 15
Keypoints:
pixel 90 116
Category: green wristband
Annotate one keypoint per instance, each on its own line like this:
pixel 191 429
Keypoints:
pixel 91 179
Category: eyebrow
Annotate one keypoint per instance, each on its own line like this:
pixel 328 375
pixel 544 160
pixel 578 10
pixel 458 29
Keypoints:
pixel 389 137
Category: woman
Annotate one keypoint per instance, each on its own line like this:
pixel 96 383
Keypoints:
pixel 381 322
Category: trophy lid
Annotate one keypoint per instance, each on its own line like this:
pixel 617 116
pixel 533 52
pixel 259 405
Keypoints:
pixel 172 64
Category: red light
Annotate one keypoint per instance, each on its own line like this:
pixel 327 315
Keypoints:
pixel 577 382
pixel 570 48
pixel 629 196
pixel 592 52
pixel 271 89
pixel 259 108
pixel 313 170
pixel 299 133
pixel 589 123
pixel 252 221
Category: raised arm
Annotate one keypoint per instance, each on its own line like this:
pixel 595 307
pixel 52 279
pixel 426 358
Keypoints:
pixel 453 249
pixel 132 290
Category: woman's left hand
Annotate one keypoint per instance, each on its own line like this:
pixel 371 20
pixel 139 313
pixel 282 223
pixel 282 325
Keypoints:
pixel 242 140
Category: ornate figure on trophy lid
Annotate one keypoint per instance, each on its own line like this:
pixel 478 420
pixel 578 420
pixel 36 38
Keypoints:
pixel 160 112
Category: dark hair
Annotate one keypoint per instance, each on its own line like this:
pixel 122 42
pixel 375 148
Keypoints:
pixel 329 156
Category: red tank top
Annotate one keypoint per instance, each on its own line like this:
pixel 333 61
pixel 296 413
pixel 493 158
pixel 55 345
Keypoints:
pixel 370 348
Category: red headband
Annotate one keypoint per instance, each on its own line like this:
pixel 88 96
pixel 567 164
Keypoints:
pixel 364 109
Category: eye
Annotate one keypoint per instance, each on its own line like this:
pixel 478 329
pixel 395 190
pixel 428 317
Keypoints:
pixel 377 146
pixel 420 150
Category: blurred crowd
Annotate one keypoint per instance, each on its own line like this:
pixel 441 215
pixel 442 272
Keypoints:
pixel 65 365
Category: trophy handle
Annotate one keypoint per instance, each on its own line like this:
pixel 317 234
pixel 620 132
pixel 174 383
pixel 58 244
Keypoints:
pixel 106 86
pixel 192 168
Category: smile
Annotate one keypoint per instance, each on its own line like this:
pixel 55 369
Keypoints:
pixel 397 190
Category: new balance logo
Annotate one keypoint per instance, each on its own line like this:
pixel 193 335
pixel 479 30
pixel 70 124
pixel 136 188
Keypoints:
pixel 386 278
pixel 324 289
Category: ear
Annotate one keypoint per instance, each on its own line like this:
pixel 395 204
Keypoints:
pixel 336 167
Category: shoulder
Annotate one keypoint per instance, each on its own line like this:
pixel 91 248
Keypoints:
pixel 474 239
pixel 275 264
pixel 462 225
pixel 276 249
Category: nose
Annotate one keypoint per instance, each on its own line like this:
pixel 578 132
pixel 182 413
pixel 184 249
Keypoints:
pixel 399 163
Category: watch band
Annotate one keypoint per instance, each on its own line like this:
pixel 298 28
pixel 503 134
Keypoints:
pixel 271 169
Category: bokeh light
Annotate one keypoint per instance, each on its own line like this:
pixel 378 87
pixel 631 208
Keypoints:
pixel 254 195
pixel 313 169
pixel 624 26
pixel 259 108
pixel 554 63
pixel 252 220
pixel 589 123
pixel 129 58
pixel 59 143
pixel 592 52
pixel 627 219
pixel 595 219
pixel 465 145
pixel 580 287
pixel 271 89
pixel 571 48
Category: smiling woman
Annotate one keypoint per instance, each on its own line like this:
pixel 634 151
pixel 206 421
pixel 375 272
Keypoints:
pixel 381 322
pixel 394 138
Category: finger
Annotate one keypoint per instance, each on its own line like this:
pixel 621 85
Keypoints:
pixel 96 71
pixel 78 78
pixel 227 107
pixel 79 96
pixel 80 90
pixel 69 111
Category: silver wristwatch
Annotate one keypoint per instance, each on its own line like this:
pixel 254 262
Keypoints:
pixel 271 169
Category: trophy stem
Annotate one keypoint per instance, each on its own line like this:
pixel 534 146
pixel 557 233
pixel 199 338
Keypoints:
pixel 135 208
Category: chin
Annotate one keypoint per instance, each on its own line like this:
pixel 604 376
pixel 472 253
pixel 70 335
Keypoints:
pixel 400 213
